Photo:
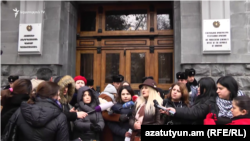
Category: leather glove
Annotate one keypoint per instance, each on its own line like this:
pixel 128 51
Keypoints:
pixel 95 127
pixel 124 118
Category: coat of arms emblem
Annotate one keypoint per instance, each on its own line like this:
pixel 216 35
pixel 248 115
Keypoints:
pixel 216 24
pixel 29 27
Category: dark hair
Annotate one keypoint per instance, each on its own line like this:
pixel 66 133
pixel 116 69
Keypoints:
pixel 230 83
pixel 93 97
pixel 161 92
pixel 121 85
pixel 44 74
pixel 45 89
pixel 20 86
pixel 184 92
pixel 119 97
pixel 243 102
pixel 207 84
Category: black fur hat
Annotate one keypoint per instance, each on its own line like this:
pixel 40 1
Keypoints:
pixel 90 82
pixel 12 79
pixel 118 78
pixel 190 72
pixel 181 75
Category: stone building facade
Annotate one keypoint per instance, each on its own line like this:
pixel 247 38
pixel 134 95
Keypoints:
pixel 59 41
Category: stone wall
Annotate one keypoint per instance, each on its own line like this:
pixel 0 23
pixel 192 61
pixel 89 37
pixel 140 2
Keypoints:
pixel 191 34
pixel 189 38
pixel 241 73
pixel 25 71
pixel 59 41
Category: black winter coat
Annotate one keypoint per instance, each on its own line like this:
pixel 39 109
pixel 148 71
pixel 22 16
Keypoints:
pixel 197 112
pixel 71 117
pixel 119 128
pixel 82 126
pixel 12 104
pixel 42 121
pixel 169 120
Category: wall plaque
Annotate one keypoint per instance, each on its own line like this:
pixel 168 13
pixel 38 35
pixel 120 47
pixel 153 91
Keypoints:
pixel 29 42
pixel 216 36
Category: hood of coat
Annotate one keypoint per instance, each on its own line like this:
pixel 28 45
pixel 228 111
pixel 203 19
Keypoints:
pixel 94 101
pixel 35 83
pixel 40 113
pixel 110 90
pixel 64 81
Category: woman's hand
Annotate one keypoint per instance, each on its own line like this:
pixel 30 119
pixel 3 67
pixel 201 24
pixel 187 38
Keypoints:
pixel 72 110
pixel 163 111
pixel 81 115
pixel 127 134
pixel 170 109
pixel 137 125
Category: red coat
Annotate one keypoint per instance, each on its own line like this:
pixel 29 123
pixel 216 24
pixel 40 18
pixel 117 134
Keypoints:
pixel 240 120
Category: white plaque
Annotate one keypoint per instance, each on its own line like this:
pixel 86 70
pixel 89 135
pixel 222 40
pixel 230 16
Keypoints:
pixel 216 36
pixel 29 42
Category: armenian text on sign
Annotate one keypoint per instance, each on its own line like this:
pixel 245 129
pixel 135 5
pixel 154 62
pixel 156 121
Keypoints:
pixel 29 39
pixel 216 36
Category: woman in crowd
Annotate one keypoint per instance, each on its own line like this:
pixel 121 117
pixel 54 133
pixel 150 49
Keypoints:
pixel 12 98
pixel 80 81
pixel 240 111
pixel 227 90
pixel 67 89
pixel 41 118
pixel 178 97
pixel 91 126
pixel 120 129
pixel 144 112
pixel 198 111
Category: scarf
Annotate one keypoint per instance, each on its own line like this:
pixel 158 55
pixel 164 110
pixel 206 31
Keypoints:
pixel 140 113
pixel 225 107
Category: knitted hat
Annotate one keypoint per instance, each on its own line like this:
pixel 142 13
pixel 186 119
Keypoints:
pixel 79 77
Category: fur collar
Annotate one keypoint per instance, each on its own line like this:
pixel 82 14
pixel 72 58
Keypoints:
pixel 65 80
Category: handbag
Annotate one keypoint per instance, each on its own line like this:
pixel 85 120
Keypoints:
pixel 9 133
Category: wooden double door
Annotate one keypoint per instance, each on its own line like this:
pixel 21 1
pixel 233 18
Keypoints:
pixel 133 64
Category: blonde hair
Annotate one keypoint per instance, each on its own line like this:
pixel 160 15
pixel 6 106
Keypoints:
pixel 149 107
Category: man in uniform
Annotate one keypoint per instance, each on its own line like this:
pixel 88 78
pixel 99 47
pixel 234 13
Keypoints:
pixel 11 80
pixel 181 77
pixel 117 79
pixel 192 83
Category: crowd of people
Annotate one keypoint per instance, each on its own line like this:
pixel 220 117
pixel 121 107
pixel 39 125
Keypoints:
pixel 68 108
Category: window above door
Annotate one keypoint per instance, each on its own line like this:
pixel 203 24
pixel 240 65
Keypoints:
pixel 139 18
